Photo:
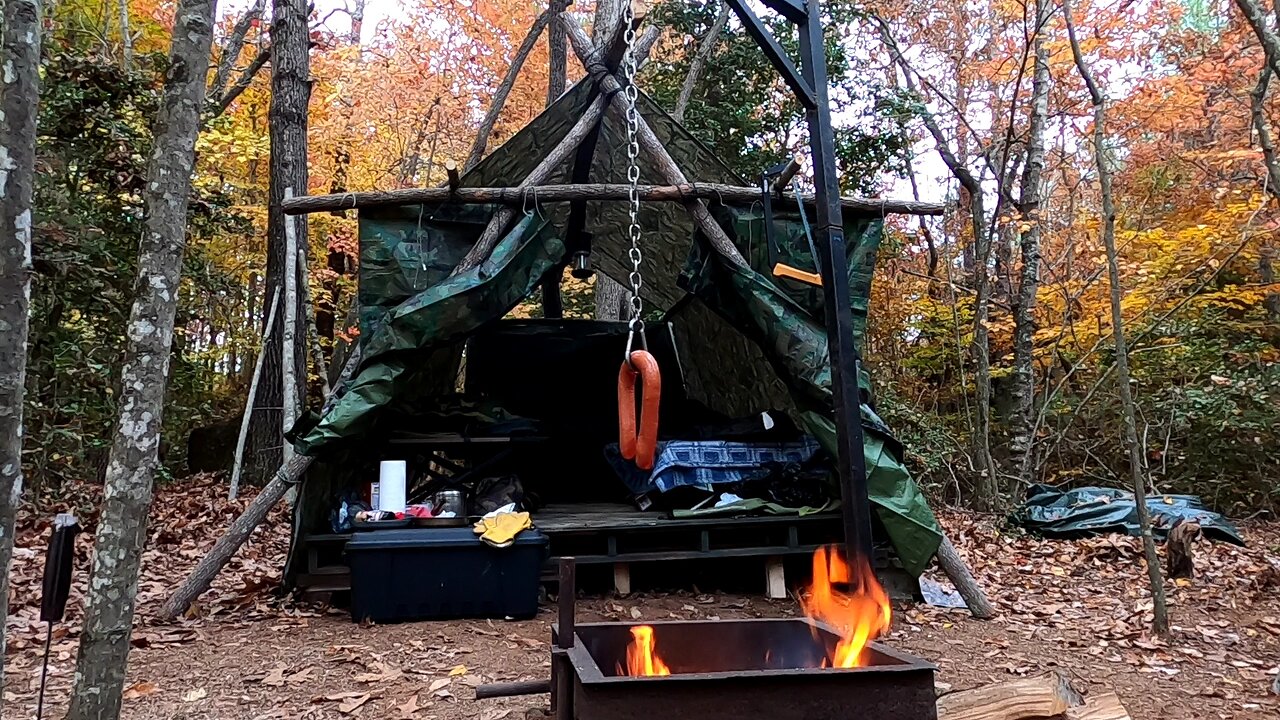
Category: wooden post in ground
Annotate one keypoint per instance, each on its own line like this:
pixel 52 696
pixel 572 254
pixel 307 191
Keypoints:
pixel 253 392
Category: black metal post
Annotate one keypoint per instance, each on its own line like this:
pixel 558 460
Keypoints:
pixel 833 263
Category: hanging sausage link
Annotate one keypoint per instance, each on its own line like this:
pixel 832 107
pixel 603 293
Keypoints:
pixel 640 445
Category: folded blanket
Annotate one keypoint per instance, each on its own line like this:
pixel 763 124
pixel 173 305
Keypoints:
pixel 703 464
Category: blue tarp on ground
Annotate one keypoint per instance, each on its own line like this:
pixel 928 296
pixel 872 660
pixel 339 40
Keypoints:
pixel 1054 512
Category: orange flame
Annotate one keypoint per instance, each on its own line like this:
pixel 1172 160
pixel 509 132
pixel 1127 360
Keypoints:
pixel 642 659
pixel 860 613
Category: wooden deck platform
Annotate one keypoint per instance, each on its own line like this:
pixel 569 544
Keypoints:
pixel 619 535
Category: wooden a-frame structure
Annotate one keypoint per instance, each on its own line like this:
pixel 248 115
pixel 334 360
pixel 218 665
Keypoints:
pixel 600 54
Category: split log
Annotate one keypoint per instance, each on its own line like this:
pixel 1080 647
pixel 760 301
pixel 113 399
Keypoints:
pixel 504 89
pixel 287 476
pixel 451 170
pixel 1045 696
pixel 1104 706
pixel 954 566
pixel 649 143
pixel 591 191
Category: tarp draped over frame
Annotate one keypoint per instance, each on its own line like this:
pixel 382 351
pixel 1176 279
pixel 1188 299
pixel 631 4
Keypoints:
pixel 413 315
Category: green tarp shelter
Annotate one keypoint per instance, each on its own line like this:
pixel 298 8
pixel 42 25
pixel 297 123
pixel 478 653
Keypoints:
pixel 747 340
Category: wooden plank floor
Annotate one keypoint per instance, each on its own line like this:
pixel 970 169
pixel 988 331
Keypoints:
pixel 596 517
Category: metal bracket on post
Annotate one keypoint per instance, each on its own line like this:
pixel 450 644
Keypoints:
pixel 810 88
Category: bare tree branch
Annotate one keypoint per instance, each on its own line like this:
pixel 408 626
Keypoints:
pixel 231 49
pixel 242 83
pixel 700 60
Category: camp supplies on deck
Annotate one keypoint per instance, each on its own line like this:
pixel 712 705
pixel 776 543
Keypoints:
pixel 500 527
pixel 441 573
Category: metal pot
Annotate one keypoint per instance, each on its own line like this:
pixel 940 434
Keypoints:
pixel 451 501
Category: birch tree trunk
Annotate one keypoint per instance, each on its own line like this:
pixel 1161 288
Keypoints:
pixel 290 96
pixel 289 333
pixel 126 39
pixel 19 97
pixel 1023 390
pixel 1137 471
pixel 109 607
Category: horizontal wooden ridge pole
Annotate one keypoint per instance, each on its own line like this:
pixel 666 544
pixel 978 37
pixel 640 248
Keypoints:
pixel 560 193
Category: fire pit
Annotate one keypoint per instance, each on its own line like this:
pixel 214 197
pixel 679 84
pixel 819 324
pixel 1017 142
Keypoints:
pixel 734 669
pixel 820 667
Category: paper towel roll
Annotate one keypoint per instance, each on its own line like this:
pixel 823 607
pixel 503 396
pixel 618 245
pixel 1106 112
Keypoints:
pixel 391 485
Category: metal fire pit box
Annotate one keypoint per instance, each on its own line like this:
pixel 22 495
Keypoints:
pixel 738 669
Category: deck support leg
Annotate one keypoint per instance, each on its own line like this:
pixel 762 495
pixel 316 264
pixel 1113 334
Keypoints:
pixel 775 578
pixel 622 579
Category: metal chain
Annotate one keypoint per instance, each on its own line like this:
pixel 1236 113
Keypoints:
pixel 636 322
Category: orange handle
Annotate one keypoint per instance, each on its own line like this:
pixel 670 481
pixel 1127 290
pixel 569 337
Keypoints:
pixel 639 446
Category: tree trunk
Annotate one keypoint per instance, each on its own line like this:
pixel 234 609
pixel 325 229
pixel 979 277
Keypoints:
pixel 1128 409
pixel 557 55
pixel 290 96
pixel 357 22
pixel 231 51
pixel 109 605
pixel 1256 17
pixel 126 38
pixel 700 60
pixel 311 330
pixel 19 98
pixel 611 298
pixel 1024 326
pixel 987 490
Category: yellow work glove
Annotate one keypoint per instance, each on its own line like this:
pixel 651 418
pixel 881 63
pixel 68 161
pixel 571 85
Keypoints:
pixel 501 530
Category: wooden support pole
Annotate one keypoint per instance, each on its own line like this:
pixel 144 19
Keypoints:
pixel 504 89
pixel 253 392
pixel 954 566
pixel 604 192
pixel 287 476
pixel 781 182
pixel 455 181
pixel 650 144
pixel 498 223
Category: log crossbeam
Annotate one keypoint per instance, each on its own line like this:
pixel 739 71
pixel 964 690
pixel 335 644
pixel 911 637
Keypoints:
pixel 520 195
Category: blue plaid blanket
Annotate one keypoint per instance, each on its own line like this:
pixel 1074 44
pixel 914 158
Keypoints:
pixel 703 464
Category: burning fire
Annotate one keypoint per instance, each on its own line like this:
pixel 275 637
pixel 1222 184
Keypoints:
pixel 642 659
pixel 850 600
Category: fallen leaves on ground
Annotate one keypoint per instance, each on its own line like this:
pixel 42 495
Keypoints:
pixel 140 690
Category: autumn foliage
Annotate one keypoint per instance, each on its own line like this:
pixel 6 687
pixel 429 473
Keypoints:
pixel 1196 220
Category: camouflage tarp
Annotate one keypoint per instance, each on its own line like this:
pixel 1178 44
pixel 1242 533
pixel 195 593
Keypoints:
pixel 400 347
pixel 413 317
pixel 784 318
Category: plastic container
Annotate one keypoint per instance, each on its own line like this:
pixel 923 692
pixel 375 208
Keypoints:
pixel 443 573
